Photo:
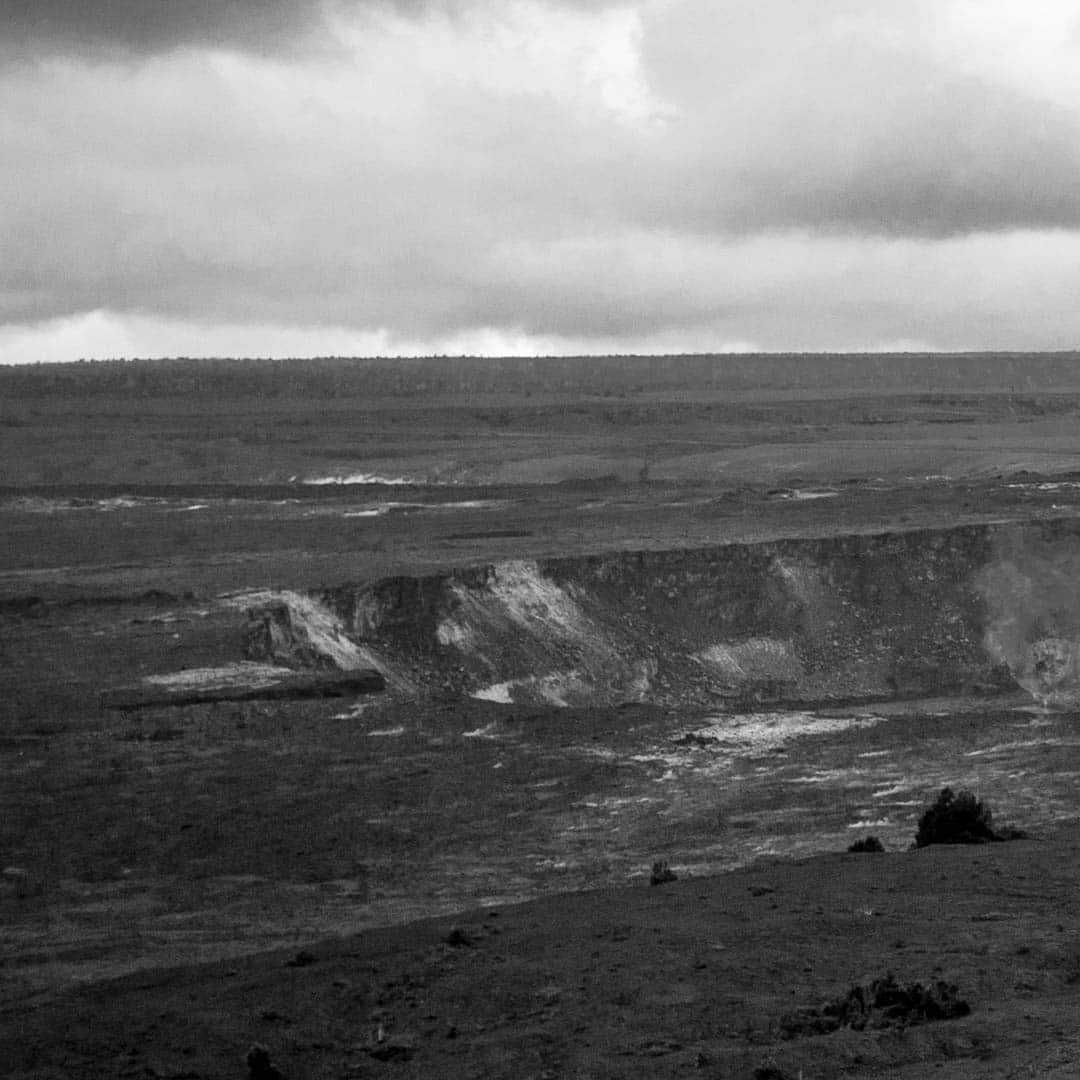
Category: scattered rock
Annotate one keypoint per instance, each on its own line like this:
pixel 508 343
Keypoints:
pixel 259 1064
pixel 396 1048
pixel 20 883
pixel 771 1072
pixel 882 1004
pixel 658 1047
pixel 662 874
pixel 23 607
pixel 694 738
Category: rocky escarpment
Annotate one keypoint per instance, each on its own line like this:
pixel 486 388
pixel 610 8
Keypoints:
pixel 973 609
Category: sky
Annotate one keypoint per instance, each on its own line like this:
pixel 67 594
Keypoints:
pixel 397 177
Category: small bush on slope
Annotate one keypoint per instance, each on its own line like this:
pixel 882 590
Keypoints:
pixel 868 843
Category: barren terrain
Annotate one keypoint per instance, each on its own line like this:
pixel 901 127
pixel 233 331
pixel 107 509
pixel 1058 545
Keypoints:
pixel 659 613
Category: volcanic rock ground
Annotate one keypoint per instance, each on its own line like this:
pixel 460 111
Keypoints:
pixel 691 978
pixel 183 881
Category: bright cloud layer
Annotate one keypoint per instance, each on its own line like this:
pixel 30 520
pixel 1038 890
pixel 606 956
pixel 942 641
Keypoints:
pixel 297 178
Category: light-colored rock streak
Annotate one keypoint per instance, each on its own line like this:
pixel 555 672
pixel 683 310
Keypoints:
pixel 245 674
pixel 319 629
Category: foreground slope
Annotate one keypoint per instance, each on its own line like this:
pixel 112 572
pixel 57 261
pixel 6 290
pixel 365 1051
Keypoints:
pixel 693 977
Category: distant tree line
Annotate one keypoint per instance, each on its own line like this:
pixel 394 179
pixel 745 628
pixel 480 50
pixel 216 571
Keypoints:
pixel 607 376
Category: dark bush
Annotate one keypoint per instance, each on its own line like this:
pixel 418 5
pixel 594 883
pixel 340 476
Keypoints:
pixel 956 819
pixel 867 843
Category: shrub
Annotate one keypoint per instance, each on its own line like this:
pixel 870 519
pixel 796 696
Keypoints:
pixel 956 819
pixel 867 843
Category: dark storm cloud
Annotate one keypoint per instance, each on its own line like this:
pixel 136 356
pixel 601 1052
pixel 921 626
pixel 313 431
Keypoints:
pixel 30 27
pixel 146 26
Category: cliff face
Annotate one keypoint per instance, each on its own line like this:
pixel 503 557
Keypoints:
pixel 973 609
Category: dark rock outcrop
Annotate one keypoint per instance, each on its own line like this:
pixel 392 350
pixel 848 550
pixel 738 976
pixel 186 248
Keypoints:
pixel 882 1004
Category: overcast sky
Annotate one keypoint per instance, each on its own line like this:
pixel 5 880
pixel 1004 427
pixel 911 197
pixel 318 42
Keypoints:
pixel 300 177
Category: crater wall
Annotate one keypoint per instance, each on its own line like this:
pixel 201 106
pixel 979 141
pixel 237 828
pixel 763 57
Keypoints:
pixel 967 610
